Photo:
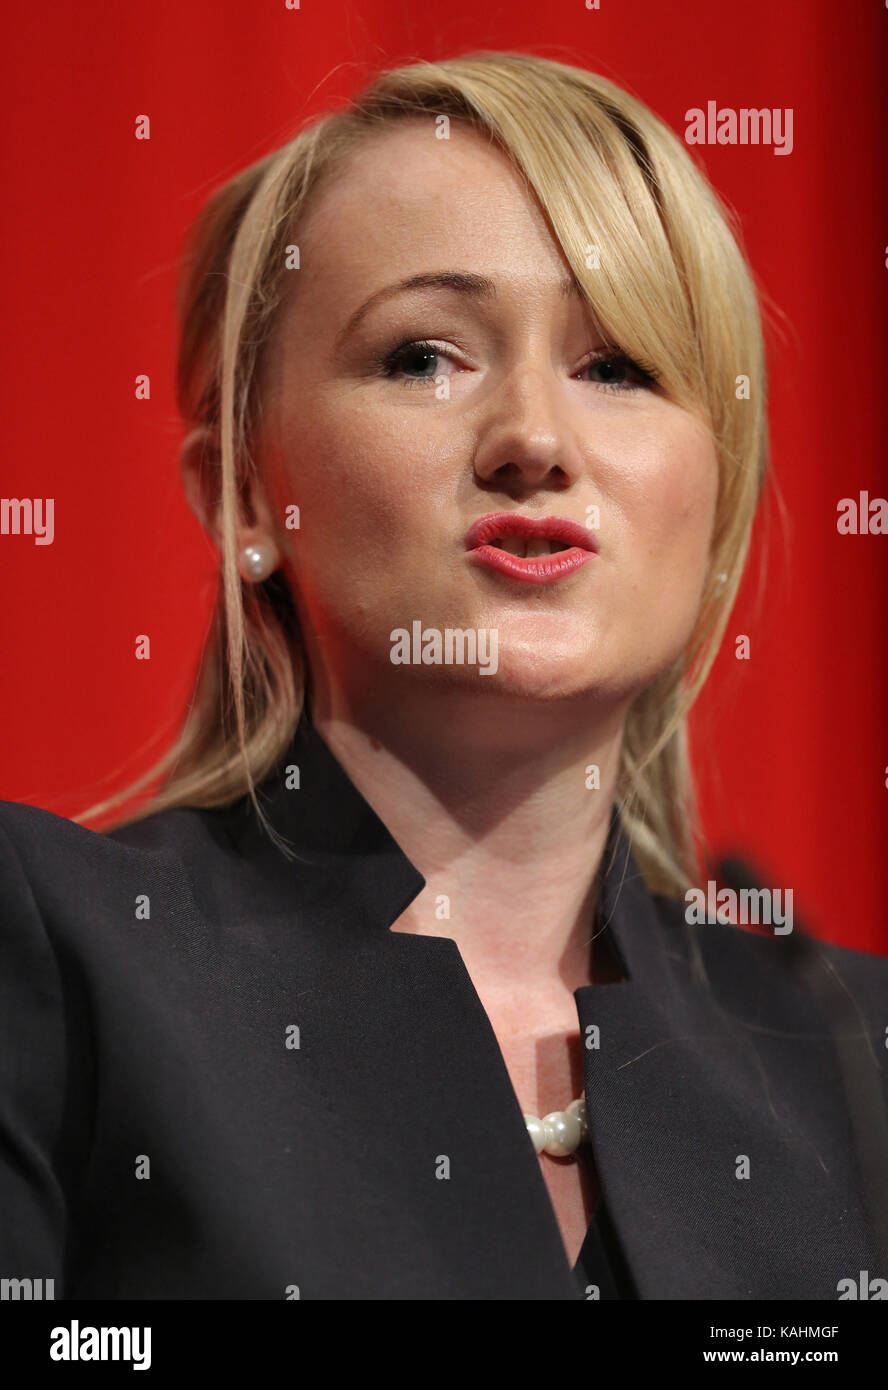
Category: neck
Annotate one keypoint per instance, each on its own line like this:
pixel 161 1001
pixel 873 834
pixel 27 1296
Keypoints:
pixel 490 800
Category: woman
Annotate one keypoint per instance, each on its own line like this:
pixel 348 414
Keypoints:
pixel 389 991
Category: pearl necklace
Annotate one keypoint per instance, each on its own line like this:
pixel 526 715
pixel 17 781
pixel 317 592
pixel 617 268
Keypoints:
pixel 561 1132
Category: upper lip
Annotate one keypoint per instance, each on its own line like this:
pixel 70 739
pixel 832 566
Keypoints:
pixel 498 525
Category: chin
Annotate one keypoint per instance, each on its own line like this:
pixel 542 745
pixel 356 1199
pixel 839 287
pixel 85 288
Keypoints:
pixel 534 672
pixel 547 673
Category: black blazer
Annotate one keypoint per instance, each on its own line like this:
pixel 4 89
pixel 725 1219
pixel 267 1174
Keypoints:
pixel 222 1076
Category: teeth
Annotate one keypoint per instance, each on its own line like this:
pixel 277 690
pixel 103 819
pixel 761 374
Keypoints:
pixel 528 547
pixel 514 544
pixel 540 546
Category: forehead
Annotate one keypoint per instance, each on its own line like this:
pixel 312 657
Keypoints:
pixel 404 196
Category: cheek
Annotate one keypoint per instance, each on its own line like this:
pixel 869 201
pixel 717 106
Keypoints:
pixel 362 491
pixel 671 513
pixel 661 557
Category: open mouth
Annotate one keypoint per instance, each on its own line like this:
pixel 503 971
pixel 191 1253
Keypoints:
pixel 528 547
pixel 532 550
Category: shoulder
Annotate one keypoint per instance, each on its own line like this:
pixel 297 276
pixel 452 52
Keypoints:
pixel 38 837
pixel 760 973
pixel 29 829
pixel 62 870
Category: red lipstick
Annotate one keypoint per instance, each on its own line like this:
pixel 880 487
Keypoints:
pixel 568 544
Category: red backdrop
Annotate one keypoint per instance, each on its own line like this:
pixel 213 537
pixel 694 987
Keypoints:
pixel 791 743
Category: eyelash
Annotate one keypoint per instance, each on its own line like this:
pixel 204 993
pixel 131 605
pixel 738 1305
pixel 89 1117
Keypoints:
pixel 389 365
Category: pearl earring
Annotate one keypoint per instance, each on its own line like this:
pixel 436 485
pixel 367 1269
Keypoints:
pixel 256 562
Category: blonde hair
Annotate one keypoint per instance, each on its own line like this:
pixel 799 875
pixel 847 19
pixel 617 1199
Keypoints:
pixel 669 286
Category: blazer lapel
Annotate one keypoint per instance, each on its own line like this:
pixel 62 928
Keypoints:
pixel 711 1097
pixel 423 1152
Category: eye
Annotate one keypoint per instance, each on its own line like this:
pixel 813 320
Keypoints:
pixel 617 372
pixel 416 362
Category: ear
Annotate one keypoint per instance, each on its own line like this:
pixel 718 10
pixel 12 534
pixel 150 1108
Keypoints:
pixel 200 461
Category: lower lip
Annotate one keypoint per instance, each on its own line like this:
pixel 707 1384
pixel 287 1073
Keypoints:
pixel 537 569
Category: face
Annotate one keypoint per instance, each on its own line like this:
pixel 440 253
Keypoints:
pixel 396 418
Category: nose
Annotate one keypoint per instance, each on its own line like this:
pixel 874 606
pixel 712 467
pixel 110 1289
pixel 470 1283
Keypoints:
pixel 527 440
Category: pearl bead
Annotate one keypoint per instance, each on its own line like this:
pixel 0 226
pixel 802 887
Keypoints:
pixel 563 1133
pixel 255 562
pixel 537 1131
pixel 578 1108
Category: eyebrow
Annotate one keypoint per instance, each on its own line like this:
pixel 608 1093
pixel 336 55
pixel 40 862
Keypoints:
pixel 463 281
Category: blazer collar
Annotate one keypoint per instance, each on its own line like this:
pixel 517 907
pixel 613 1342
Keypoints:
pixel 331 830
pixel 312 802
pixel 348 858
